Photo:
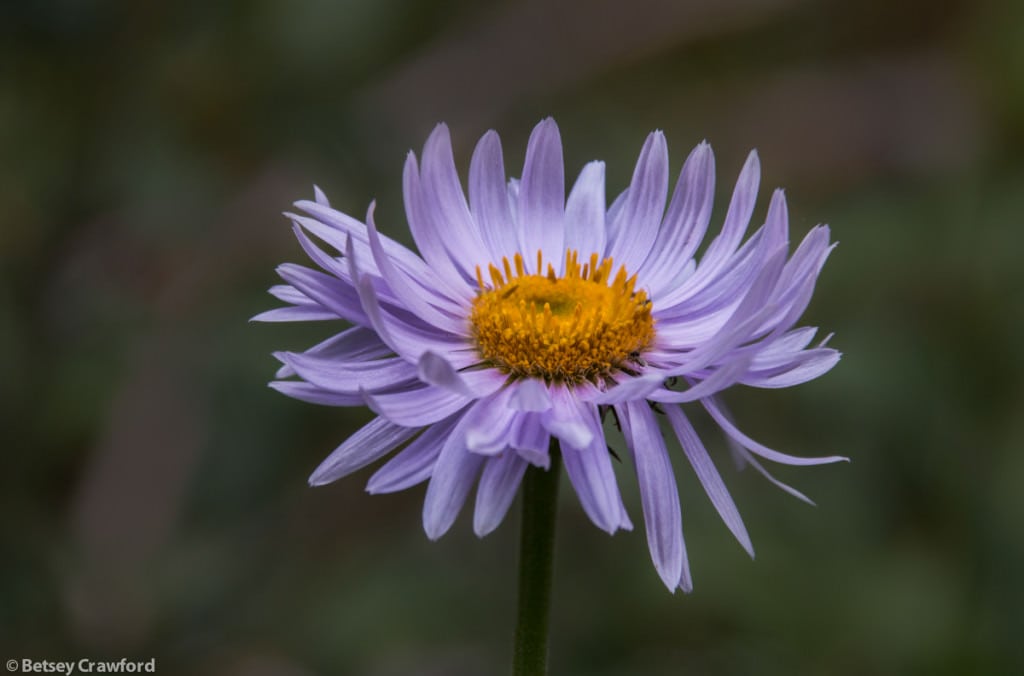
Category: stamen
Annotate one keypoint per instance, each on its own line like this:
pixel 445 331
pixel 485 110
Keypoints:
pixel 572 329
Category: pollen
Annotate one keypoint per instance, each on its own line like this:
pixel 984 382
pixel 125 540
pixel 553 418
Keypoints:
pixel 584 325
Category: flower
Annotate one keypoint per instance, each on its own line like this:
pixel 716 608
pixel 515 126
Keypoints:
pixel 531 315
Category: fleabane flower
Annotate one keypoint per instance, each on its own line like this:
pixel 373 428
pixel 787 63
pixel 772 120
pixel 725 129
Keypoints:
pixel 528 316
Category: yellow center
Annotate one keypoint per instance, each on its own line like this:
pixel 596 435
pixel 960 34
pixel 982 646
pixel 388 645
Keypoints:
pixel 582 326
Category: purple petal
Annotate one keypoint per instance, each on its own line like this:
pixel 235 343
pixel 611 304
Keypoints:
pixel 305 310
pixel 436 370
pixel 723 421
pixel 743 321
pixel 454 473
pixel 426 234
pixel 345 272
pixel 320 197
pixel 488 198
pixel 709 477
pixel 567 419
pixel 781 351
pixel 737 218
pixel 356 343
pixel 613 219
pixel 296 313
pixel 375 439
pixel 405 339
pixel 413 464
pixel 421 280
pixel 592 476
pixel 796 283
pixel 807 366
pixel 530 395
pixel 701 295
pixel 334 228
pixel 489 423
pixel 645 203
pixel 748 458
pixel 687 217
pixel 584 212
pixel 410 297
pixel 315 395
pixel 542 196
pixel 482 382
pixel 659 496
pixel 721 378
pixel 416 408
pixel 288 294
pixel 497 488
pixel 350 377
pixel 330 292
pixel 304 226
pixel 531 440
pixel 630 388
pixel 446 204
pixel 513 201
pixel 776 223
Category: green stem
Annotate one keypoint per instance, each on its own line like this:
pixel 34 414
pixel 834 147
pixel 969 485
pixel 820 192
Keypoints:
pixel 536 553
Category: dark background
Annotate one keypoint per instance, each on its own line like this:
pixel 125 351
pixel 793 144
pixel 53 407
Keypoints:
pixel 152 494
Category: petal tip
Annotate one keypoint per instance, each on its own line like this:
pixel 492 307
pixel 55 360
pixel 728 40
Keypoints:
pixel 319 196
pixel 317 478
pixel 482 528
pixel 433 528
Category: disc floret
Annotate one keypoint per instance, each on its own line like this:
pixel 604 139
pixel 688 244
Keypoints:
pixel 581 326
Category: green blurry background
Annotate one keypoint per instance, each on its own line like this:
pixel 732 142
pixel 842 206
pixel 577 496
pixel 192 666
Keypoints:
pixel 152 495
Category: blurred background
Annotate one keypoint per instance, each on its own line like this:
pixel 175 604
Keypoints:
pixel 153 489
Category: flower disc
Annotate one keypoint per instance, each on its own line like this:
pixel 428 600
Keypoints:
pixel 582 326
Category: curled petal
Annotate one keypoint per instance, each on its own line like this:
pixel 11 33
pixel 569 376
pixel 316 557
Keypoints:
pixel 727 425
pixel 567 419
pixel 488 424
pixel 531 440
pixel 436 370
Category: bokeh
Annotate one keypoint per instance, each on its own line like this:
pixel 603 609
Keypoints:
pixel 153 489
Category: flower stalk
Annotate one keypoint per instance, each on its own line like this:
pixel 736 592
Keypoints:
pixel 536 559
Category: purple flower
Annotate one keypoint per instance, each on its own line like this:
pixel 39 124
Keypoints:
pixel 528 316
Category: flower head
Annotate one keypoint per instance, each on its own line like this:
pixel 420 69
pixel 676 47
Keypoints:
pixel 528 316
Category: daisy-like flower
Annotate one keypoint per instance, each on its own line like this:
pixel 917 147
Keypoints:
pixel 528 316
